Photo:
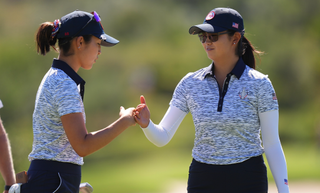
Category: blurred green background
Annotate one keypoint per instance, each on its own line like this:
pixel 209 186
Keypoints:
pixel 154 53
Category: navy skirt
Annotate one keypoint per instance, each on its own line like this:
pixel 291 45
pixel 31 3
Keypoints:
pixel 249 176
pixel 51 176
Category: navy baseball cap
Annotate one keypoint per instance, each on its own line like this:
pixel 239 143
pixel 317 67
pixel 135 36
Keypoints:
pixel 218 20
pixel 80 23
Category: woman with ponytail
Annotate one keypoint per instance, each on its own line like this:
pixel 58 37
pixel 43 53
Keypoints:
pixel 60 137
pixel 232 105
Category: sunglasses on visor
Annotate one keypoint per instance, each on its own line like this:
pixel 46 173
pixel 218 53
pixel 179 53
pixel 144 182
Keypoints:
pixel 94 17
pixel 213 37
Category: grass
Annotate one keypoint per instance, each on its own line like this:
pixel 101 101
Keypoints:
pixel 147 173
pixel 154 171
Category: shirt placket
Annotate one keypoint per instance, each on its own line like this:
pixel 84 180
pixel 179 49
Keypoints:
pixel 223 92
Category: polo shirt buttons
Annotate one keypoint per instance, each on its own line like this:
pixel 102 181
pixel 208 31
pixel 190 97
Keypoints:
pixel 224 91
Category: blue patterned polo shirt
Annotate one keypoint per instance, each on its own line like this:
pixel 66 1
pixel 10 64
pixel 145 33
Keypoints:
pixel 58 95
pixel 227 127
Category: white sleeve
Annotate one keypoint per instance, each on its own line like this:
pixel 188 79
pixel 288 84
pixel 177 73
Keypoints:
pixel 161 134
pixel 273 149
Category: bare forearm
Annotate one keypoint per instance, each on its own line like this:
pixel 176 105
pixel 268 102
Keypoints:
pixel 6 163
pixel 85 143
pixel 103 137
pixel 94 141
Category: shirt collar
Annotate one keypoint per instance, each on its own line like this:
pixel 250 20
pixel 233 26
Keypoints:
pixel 71 73
pixel 237 70
pixel 68 70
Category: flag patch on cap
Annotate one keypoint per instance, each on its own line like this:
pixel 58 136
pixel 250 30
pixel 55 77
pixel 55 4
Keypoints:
pixel 210 15
pixel 235 25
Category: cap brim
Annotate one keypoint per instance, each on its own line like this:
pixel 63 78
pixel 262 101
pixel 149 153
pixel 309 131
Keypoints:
pixel 108 41
pixel 205 28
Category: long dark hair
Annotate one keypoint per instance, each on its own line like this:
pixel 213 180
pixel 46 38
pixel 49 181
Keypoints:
pixel 246 50
pixel 45 40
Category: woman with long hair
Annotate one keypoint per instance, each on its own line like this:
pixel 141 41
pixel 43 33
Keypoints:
pixel 231 104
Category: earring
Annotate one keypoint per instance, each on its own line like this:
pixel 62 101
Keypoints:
pixel 234 42
pixel 79 47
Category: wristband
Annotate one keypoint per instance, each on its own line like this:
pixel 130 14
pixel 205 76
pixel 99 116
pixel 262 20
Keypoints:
pixel 6 187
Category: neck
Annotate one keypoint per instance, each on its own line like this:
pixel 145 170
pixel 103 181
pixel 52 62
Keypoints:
pixel 70 60
pixel 224 66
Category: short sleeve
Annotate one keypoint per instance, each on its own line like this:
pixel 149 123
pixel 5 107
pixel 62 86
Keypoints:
pixel 267 99
pixel 68 98
pixel 179 98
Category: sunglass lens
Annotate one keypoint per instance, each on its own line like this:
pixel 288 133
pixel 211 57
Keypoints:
pixel 202 37
pixel 213 38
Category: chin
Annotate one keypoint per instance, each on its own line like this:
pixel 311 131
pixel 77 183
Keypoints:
pixel 87 67
pixel 210 57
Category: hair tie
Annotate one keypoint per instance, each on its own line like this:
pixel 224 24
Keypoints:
pixel 56 27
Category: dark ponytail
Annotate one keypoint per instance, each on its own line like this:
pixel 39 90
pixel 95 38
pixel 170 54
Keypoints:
pixel 44 38
pixel 246 50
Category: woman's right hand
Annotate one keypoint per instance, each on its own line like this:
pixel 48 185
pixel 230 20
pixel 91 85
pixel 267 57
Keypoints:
pixel 128 114
pixel 142 113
